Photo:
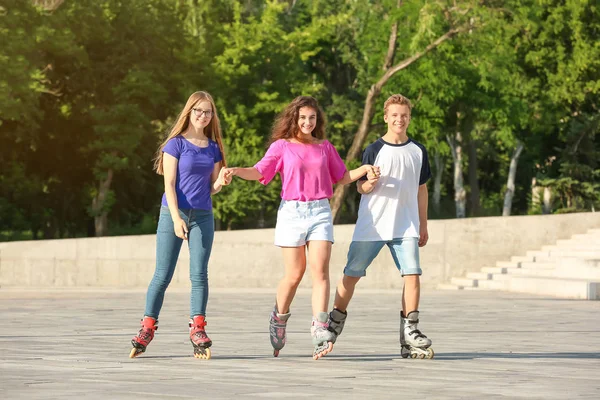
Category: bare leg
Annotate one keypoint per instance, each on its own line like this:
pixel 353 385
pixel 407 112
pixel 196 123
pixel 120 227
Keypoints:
pixel 411 293
pixel 319 253
pixel 344 292
pixel 294 260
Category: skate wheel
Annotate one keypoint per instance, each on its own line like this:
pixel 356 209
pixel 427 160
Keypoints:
pixel 421 356
pixel 203 354
pixel 430 353
pixel 413 355
pixel 133 353
pixel 275 353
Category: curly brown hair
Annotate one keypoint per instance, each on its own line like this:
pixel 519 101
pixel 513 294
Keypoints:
pixel 286 124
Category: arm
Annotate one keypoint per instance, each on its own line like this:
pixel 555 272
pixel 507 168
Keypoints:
pixel 248 174
pixel 366 187
pixel 423 199
pixel 170 176
pixel 354 175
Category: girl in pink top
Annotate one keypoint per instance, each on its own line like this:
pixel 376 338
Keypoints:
pixel 309 166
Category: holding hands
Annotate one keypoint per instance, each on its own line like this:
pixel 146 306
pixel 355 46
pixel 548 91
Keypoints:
pixel 373 173
pixel 225 175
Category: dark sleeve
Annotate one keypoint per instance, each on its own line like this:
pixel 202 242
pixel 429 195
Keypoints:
pixel 425 169
pixel 369 155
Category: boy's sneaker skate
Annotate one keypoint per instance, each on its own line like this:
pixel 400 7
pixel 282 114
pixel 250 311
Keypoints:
pixel 413 343
pixel 277 325
pixel 322 337
pixel 199 338
pixel 336 322
pixel 144 336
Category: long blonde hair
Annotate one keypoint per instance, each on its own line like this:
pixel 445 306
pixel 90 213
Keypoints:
pixel 212 130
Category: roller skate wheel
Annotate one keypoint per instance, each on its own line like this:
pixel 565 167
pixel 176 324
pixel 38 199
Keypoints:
pixel 430 353
pixel 275 353
pixel 413 355
pixel 203 354
pixel 134 352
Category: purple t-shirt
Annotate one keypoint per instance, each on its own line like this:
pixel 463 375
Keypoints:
pixel 308 171
pixel 194 169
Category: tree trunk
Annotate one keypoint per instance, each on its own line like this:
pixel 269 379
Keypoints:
pixel 370 100
pixel 98 206
pixel 460 195
pixel 547 201
pixel 437 183
pixel 473 180
pixel 510 183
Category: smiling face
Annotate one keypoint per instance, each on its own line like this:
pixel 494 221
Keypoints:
pixel 397 118
pixel 307 120
pixel 201 114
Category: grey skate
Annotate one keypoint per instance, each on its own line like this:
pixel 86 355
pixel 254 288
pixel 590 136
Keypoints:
pixel 277 325
pixel 412 341
pixel 337 319
pixel 322 337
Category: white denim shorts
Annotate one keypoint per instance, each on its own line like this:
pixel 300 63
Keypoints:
pixel 299 222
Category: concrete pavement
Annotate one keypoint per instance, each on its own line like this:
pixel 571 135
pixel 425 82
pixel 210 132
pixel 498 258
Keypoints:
pixel 74 344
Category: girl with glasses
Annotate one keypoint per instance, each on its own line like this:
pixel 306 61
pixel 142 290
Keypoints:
pixel 192 161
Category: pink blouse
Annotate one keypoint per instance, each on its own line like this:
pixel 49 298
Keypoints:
pixel 308 171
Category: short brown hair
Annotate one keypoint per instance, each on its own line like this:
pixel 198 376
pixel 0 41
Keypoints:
pixel 396 99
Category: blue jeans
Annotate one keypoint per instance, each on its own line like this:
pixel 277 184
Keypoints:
pixel 201 231
pixel 405 252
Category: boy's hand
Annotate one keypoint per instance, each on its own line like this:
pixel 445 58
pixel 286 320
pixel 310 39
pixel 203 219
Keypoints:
pixel 423 235
pixel 373 173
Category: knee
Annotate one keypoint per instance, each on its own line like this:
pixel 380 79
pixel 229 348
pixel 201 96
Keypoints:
pixel 200 277
pixel 160 282
pixel 294 278
pixel 412 281
pixel 350 281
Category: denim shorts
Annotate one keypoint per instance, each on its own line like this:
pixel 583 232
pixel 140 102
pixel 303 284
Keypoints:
pixel 299 222
pixel 405 252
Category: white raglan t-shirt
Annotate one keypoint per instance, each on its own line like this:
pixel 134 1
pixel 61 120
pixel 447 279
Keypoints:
pixel 391 210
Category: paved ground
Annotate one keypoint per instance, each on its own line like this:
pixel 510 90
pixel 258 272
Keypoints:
pixel 75 344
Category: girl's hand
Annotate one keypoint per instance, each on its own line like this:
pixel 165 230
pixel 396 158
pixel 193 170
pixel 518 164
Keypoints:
pixel 225 175
pixel 180 228
pixel 373 173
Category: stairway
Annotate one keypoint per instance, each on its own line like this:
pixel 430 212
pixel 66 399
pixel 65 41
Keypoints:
pixel 569 269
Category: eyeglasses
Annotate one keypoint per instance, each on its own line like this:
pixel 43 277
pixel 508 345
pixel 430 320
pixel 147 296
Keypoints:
pixel 199 112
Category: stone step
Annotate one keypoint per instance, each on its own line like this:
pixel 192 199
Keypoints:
pixel 508 264
pixel 539 265
pixel 556 287
pixel 533 272
pixel 449 286
pixel 479 275
pixel 501 277
pixel 538 253
pixel 574 245
pixel 493 285
pixel 522 258
pixel 575 253
pixel 583 237
pixel 544 259
pixel 495 270
pixel 465 282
